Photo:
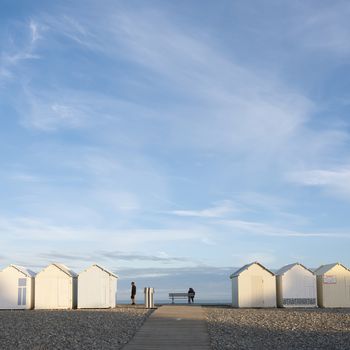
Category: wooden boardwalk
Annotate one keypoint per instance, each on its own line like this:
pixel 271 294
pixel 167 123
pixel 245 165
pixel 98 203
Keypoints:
pixel 172 327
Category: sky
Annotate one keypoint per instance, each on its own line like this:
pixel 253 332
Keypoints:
pixel 173 142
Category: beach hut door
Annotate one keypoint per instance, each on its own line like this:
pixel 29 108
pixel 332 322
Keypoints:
pixel 63 292
pixel 257 291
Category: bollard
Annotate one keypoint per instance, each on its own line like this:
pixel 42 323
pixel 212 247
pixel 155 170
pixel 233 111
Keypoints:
pixel 149 301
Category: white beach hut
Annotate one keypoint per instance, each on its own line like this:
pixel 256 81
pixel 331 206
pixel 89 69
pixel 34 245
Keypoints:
pixel 56 288
pixel 253 285
pixel 333 285
pixel 16 288
pixel 97 288
pixel 296 286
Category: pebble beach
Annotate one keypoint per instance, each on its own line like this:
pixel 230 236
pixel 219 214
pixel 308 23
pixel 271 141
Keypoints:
pixel 74 329
pixel 228 328
pixel 278 328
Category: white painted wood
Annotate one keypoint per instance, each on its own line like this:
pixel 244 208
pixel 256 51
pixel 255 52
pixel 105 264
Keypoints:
pixel 253 286
pixel 97 288
pixel 333 285
pixel 16 288
pixel 296 286
pixel 55 288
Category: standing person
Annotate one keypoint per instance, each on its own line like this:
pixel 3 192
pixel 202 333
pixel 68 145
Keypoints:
pixel 191 294
pixel 133 293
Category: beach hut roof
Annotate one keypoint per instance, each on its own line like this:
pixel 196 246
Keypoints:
pixel 286 268
pixel 23 270
pixel 325 268
pixel 103 269
pixel 246 267
pixel 65 269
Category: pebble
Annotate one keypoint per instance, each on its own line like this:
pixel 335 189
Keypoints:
pixel 70 329
pixel 231 328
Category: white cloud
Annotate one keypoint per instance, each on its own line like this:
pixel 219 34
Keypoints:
pixel 239 108
pixel 34 31
pixel 49 115
pixel 234 109
pixel 266 229
pixel 12 56
pixel 335 181
pixel 37 229
pixel 72 28
pixel 222 209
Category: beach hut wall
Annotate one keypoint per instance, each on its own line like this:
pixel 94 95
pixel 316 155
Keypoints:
pixel 97 288
pixel 16 288
pixel 333 285
pixel 56 288
pixel 253 285
pixel 296 286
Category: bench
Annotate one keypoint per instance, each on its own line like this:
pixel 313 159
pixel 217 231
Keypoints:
pixel 174 296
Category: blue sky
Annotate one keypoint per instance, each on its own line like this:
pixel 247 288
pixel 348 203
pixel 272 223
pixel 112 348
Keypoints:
pixel 168 136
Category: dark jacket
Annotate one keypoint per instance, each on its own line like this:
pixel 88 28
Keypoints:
pixel 133 290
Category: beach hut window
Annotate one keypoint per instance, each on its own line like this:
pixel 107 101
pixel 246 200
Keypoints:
pixel 22 291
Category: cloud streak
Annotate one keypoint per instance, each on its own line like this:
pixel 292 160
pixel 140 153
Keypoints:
pixel 220 210
pixel 335 181
pixel 12 56
pixel 265 229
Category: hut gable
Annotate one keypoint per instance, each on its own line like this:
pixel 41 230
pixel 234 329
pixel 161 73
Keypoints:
pixel 283 270
pixel 26 272
pixel 96 266
pixel 323 269
pixel 65 269
pixel 246 267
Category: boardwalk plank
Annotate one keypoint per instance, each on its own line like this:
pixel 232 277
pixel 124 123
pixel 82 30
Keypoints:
pixel 173 327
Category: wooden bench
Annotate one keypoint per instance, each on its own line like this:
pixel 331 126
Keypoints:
pixel 174 296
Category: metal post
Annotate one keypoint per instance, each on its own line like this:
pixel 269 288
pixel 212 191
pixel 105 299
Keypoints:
pixel 146 290
pixel 149 301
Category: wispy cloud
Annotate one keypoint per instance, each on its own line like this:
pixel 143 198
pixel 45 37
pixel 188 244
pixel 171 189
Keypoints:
pixel 46 115
pixel 34 31
pixel 116 256
pixel 36 229
pixel 266 229
pixel 222 209
pixel 327 28
pixel 12 55
pixel 334 181
pixel 236 108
